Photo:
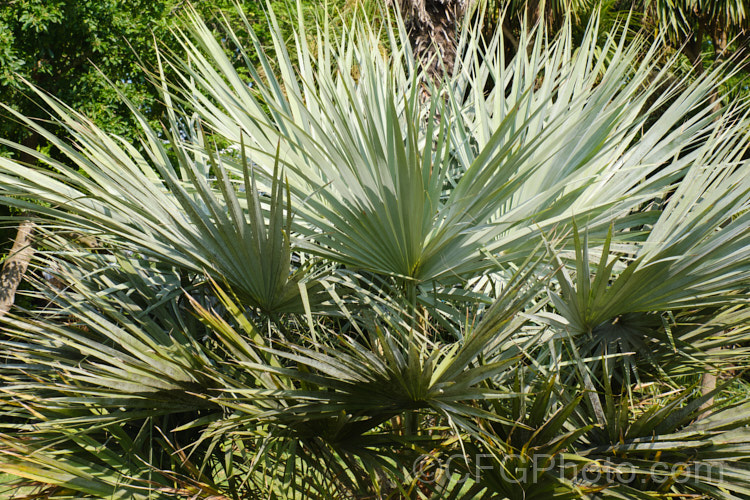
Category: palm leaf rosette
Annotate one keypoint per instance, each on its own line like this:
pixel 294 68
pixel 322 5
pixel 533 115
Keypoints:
pixel 332 277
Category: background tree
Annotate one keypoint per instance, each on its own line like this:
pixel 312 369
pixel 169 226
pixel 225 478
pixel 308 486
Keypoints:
pixel 696 27
pixel 690 22
pixel 87 53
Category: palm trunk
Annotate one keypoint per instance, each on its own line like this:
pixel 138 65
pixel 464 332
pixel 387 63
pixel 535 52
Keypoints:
pixel 432 26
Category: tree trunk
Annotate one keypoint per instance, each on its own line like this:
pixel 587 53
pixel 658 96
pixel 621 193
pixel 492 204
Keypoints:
pixel 693 50
pixel 708 384
pixel 432 26
pixel 533 14
pixel 15 266
pixel 719 41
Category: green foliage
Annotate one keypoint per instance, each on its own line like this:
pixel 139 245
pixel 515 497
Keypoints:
pixel 328 276
pixel 683 18
pixel 59 46
pixel 87 53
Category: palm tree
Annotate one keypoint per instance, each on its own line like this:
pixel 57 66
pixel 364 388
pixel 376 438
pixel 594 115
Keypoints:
pixel 322 282
pixel 689 21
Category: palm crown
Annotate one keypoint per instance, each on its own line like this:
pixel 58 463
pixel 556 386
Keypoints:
pixel 338 276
